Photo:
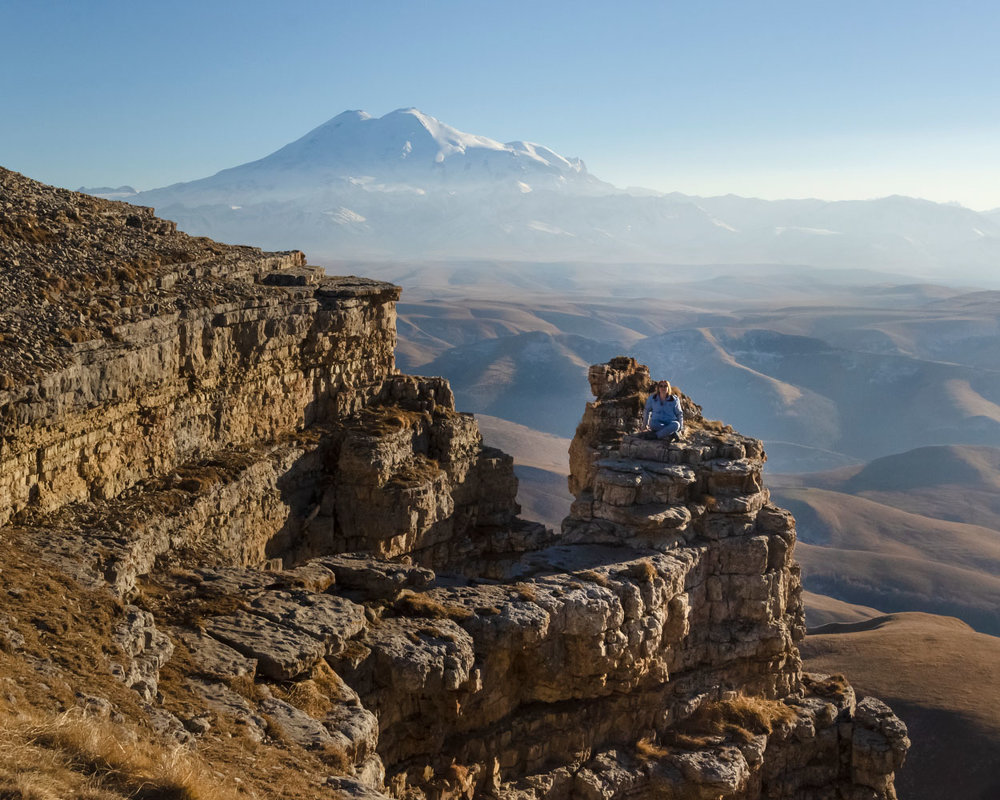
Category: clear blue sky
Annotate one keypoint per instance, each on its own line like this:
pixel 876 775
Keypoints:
pixel 844 99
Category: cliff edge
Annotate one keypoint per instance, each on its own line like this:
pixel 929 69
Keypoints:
pixel 244 557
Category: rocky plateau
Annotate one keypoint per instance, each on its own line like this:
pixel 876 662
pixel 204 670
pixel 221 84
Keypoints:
pixel 281 555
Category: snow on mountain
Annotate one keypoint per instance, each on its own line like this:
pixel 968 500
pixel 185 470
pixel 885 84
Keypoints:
pixel 404 151
pixel 407 185
pixel 108 192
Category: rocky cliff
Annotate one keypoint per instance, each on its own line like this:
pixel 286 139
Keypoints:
pixel 233 530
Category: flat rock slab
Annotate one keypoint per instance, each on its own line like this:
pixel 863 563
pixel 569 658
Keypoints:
pixel 328 618
pixel 311 576
pixel 679 472
pixel 569 558
pixel 422 654
pixel 214 659
pixel 653 516
pixel 297 725
pixel 715 772
pixel 354 728
pixel 233 580
pixel 223 700
pixel 282 652
pixel 374 578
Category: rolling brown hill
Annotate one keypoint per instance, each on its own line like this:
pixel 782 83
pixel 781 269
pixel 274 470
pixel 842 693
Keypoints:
pixel 872 554
pixel 941 677
pixel 829 369
pixel 822 609
pixel 913 531
pixel 960 483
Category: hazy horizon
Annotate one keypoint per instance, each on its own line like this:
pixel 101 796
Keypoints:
pixel 780 100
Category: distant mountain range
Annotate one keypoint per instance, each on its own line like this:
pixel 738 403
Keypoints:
pixel 406 185
pixel 109 192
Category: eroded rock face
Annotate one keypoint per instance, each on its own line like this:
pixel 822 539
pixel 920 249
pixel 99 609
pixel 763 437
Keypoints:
pixel 130 349
pixel 672 587
pixel 334 553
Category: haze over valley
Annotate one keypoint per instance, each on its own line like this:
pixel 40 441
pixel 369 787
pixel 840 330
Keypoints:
pixel 812 325
pixel 325 327
pixel 409 186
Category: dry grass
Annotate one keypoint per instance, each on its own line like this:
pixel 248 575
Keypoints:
pixel 832 686
pixel 526 591
pixel 246 687
pixel 712 425
pixel 25 228
pixel 420 605
pixel 741 718
pixel 317 695
pixel 642 571
pixel 387 419
pixel 45 757
pixel 593 576
pixel 77 335
pixel 419 471
pixel 194 612
pixel 648 750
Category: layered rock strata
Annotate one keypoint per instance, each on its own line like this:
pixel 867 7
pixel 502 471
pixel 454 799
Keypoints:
pixel 324 555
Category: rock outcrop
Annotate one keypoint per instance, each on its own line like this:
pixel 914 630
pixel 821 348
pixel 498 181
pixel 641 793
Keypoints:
pixel 303 549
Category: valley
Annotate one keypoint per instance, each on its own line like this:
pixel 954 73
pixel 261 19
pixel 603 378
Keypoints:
pixel 877 400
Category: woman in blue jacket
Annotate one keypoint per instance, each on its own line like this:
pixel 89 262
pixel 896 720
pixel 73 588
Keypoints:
pixel 663 417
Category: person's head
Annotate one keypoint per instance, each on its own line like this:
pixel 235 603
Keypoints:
pixel 664 388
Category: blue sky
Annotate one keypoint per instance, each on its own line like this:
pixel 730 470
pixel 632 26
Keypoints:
pixel 836 100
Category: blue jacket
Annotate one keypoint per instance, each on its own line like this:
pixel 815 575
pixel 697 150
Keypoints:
pixel 663 413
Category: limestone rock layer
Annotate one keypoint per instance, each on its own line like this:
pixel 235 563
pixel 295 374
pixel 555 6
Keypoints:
pixel 324 555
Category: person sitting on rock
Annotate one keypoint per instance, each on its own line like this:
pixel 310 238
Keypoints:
pixel 663 416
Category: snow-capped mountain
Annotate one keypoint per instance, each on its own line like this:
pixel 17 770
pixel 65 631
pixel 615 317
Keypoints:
pixel 109 192
pixel 404 152
pixel 407 185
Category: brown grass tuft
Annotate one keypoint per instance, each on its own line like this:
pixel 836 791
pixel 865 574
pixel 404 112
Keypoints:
pixel 642 571
pixel 247 687
pixel 526 591
pixel 44 757
pixel 419 471
pixel 76 335
pixel 831 686
pixel 740 718
pixel 420 605
pixel 647 750
pixel 194 612
pixel 593 576
pixel 307 696
pixel 338 759
pixel 387 419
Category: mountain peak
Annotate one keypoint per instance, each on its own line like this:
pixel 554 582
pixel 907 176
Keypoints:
pixel 407 148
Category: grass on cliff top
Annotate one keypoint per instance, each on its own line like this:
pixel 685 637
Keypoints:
pixel 411 604
pixel 740 718
pixel 416 473
pixel 54 756
pixel 387 419
pixel 56 642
